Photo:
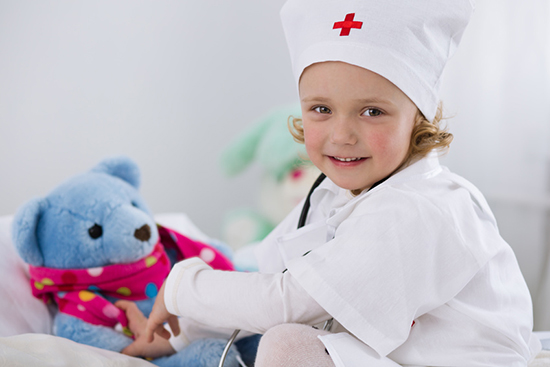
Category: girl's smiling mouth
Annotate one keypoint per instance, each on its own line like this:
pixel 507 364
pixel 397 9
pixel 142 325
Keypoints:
pixel 348 159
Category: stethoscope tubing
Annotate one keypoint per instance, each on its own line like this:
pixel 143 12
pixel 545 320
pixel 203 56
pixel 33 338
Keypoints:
pixel 227 346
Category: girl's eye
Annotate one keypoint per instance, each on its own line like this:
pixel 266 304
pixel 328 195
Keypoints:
pixel 373 112
pixel 322 109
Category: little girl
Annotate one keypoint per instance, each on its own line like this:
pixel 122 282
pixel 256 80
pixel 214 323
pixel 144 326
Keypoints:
pixel 402 254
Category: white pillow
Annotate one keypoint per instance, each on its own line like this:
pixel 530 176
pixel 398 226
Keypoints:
pixel 20 312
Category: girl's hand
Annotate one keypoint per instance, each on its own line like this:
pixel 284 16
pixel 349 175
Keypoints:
pixel 141 347
pixel 159 315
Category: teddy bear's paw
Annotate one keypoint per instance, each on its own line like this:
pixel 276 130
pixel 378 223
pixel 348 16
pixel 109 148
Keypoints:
pixel 201 353
pixel 77 330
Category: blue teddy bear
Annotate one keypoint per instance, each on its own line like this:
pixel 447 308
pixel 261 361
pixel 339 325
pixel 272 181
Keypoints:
pixel 97 219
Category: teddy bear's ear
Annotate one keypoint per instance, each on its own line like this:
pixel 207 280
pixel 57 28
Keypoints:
pixel 24 228
pixel 268 135
pixel 121 167
pixel 242 151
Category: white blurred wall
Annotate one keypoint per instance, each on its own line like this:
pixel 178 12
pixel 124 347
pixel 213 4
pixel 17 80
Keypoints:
pixel 168 83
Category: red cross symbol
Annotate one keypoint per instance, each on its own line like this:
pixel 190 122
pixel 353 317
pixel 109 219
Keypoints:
pixel 347 25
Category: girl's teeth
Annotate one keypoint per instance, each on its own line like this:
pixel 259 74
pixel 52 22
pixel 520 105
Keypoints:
pixel 346 159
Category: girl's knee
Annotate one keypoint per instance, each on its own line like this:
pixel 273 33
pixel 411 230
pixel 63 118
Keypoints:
pixel 292 345
pixel 283 334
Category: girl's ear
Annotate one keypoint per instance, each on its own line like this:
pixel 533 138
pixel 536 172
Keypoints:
pixel 121 167
pixel 24 228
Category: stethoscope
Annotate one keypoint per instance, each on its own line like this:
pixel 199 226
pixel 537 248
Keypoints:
pixel 301 222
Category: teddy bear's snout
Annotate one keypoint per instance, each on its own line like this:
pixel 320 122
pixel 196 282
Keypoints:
pixel 143 233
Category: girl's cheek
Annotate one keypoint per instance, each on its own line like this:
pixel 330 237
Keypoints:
pixel 379 141
pixel 391 141
pixel 311 135
pixel 311 145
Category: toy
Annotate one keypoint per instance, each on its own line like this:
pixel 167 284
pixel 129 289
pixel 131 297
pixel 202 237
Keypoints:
pixel 92 241
pixel 287 176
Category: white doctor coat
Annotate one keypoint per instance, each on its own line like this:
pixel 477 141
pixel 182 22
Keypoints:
pixel 414 270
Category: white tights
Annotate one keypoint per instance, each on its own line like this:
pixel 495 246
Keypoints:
pixel 292 345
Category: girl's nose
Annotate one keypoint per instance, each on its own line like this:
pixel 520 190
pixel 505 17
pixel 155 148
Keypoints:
pixel 343 132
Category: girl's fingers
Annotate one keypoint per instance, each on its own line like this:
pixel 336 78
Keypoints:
pixel 160 330
pixel 153 326
pixel 140 325
pixel 151 329
pixel 174 325
pixel 136 320
pixel 123 305
pixel 131 350
pixel 131 309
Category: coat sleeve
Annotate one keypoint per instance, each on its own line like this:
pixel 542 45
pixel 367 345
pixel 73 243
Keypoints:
pixel 253 302
pixel 393 259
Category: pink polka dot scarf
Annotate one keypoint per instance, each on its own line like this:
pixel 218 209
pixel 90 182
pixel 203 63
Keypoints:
pixel 76 291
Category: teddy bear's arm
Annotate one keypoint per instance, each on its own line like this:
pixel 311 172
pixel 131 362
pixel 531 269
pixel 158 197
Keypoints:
pixel 85 333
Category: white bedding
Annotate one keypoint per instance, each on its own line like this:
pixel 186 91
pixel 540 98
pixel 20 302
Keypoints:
pixel 51 351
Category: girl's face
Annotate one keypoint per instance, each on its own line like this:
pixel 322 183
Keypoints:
pixel 357 124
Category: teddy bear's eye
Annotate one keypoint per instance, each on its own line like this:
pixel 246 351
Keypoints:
pixel 95 231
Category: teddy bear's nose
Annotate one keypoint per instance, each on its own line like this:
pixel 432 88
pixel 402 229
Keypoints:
pixel 143 233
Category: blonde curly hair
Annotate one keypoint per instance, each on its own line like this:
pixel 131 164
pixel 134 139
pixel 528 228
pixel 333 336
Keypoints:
pixel 425 136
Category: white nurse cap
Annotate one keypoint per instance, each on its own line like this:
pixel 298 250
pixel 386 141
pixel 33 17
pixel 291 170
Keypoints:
pixel 406 41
